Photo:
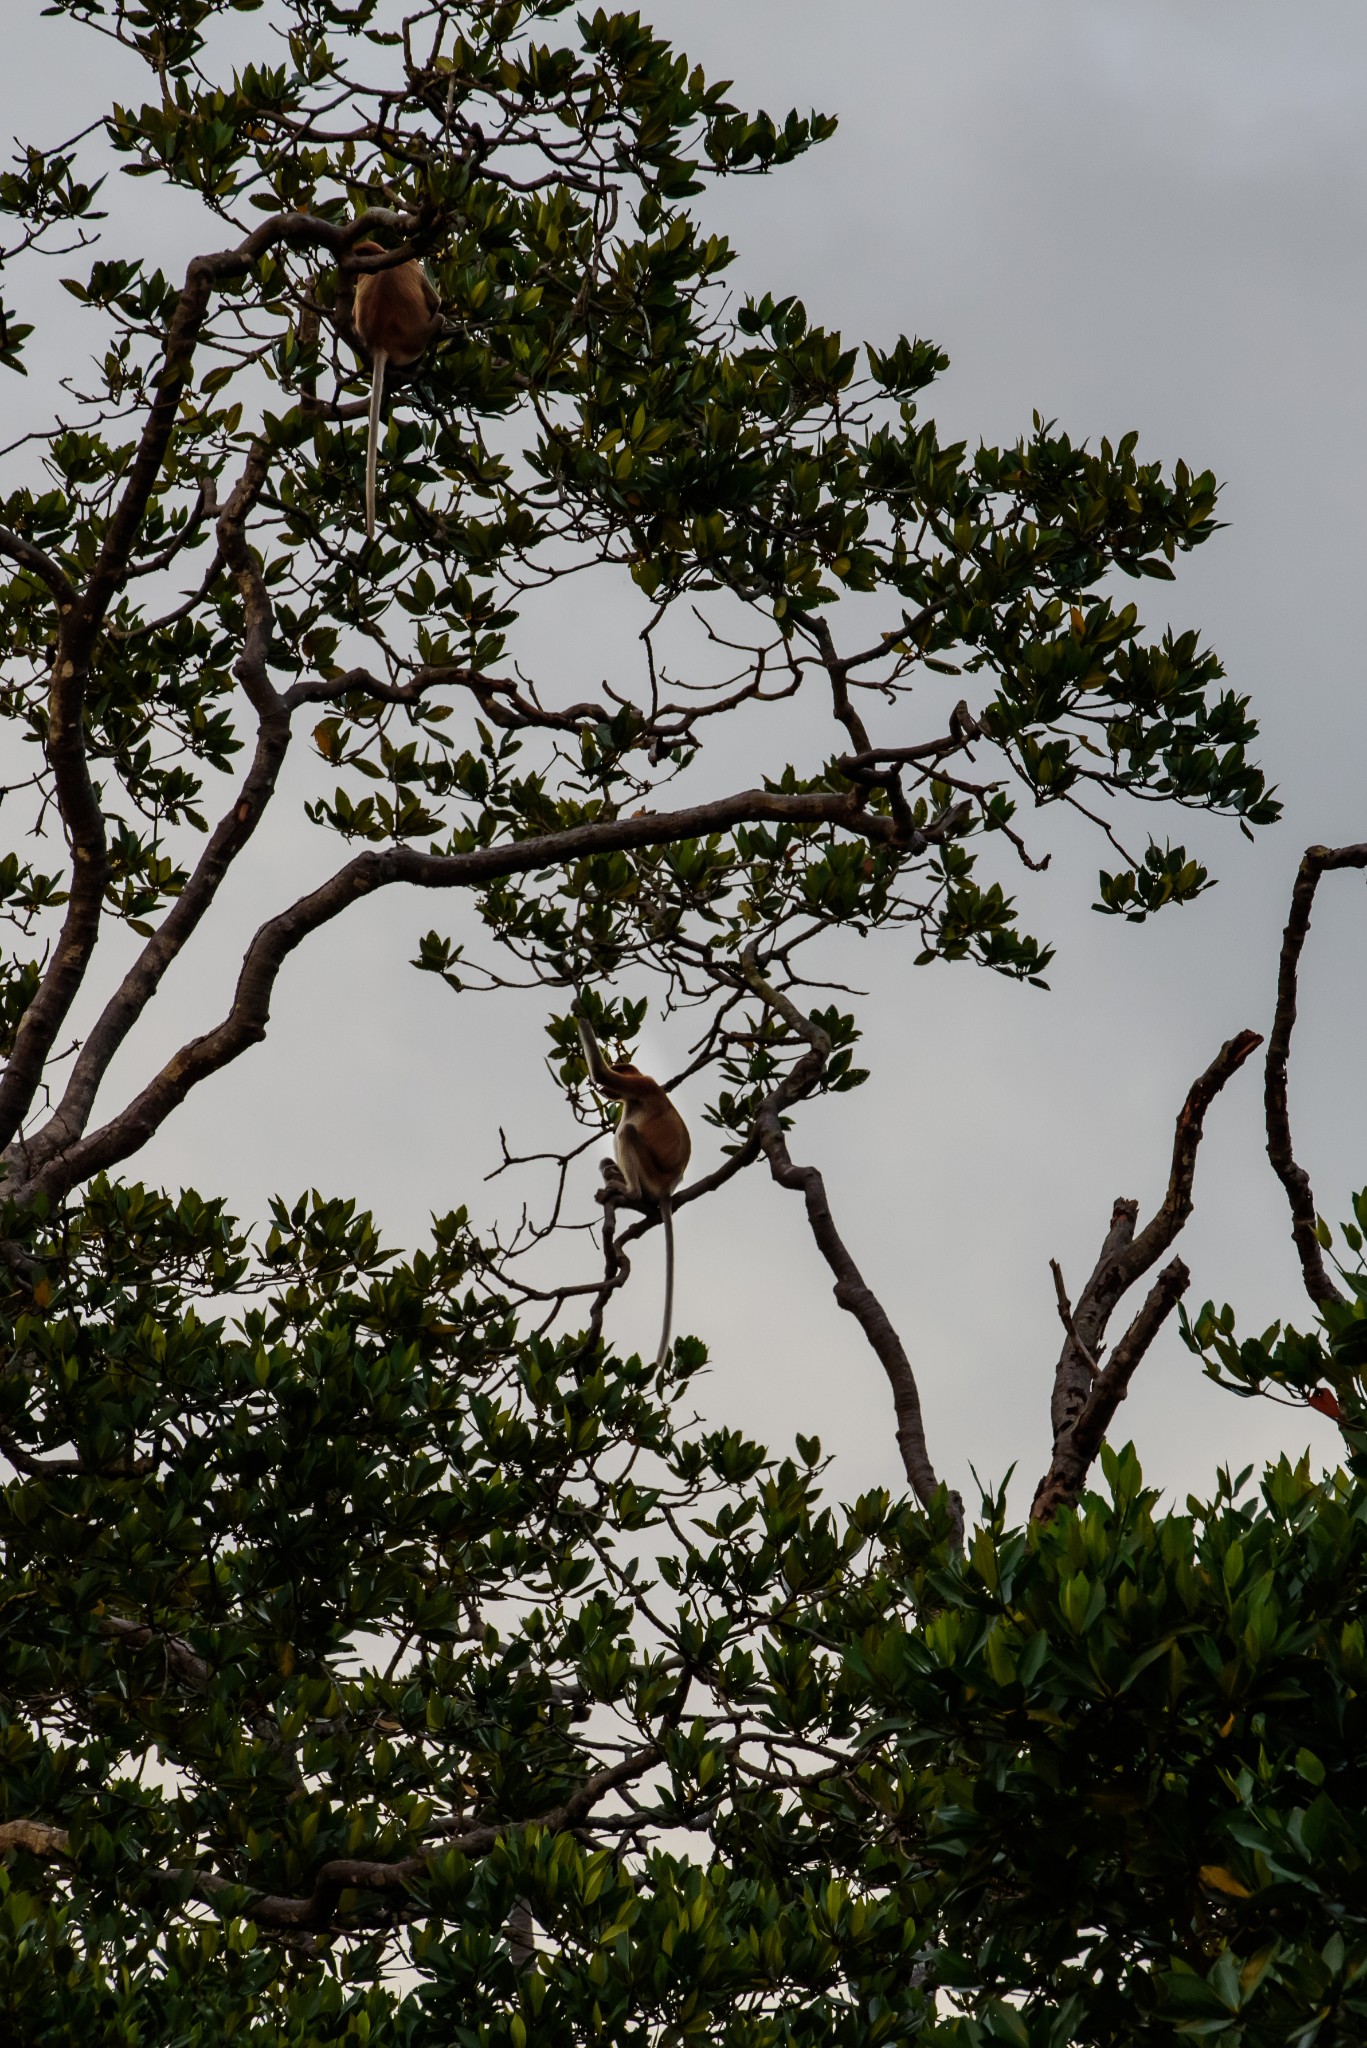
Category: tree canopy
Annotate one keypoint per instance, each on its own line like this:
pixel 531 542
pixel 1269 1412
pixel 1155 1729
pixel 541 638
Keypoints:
pixel 387 1657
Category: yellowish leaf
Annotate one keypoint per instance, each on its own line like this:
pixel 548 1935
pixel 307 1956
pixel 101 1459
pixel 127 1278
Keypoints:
pixel 1217 1879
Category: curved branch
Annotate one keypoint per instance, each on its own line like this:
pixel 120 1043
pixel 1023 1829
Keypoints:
pixel 245 1023
pixel 1148 1247
pixel 1294 1178
pixel 38 564
pixel 78 636
pixel 227 840
pixel 486 690
pixel 852 1291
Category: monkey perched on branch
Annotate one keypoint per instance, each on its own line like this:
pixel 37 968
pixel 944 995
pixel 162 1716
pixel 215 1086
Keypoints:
pixel 652 1146
pixel 396 313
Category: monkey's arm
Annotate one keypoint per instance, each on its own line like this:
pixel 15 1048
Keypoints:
pixel 600 1073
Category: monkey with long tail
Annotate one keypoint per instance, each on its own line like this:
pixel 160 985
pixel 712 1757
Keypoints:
pixel 396 313
pixel 652 1145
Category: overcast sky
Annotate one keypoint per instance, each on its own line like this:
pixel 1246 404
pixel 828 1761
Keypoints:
pixel 1122 213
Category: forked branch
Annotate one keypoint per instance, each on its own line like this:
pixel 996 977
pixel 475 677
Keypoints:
pixel 1074 1452
pixel 1080 1389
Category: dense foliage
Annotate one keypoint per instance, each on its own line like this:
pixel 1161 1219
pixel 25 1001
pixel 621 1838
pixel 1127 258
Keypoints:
pixel 385 1657
pixel 324 1625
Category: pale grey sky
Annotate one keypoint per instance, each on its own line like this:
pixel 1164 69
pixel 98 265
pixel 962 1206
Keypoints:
pixel 1124 213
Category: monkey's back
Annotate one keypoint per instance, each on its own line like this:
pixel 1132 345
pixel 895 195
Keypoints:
pixel 396 312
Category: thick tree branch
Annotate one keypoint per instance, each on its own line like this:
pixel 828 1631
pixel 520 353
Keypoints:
pixel 1074 1452
pixel 34 1835
pixel 79 808
pixel 1294 1178
pixel 35 1468
pixel 1074 1372
pixel 852 1291
pixel 246 1021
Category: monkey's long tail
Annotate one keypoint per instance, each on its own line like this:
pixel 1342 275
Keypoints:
pixel 667 1216
pixel 372 444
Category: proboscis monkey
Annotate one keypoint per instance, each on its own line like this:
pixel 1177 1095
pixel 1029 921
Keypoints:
pixel 395 312
pixel 652 1146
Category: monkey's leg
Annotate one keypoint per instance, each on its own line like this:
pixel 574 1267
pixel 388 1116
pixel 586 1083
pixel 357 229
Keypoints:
pixel 628 1164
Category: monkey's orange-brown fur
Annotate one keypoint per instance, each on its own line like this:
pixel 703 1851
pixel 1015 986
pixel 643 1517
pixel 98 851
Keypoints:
pixel 652 1141
pixel 396 313
pixel 652 1146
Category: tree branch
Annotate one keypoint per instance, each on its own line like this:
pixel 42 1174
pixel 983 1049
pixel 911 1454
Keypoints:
pixel 1294 1178
pixel 78 636
pixel 227 840
pixel 1074 1452
pixel 852 1291
pixel 318 1909
pixel 1126 1256
pixel 246 1021
pixel 35 1836
pixel 186 1664
pixel 38 564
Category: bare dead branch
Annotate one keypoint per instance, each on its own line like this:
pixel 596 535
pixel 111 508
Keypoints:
pixel 1072 1375
pixel 1293 1177
pixel 1149 1245
pixel 1065 1316
pixel 1073 1454
pixel 1127 1255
